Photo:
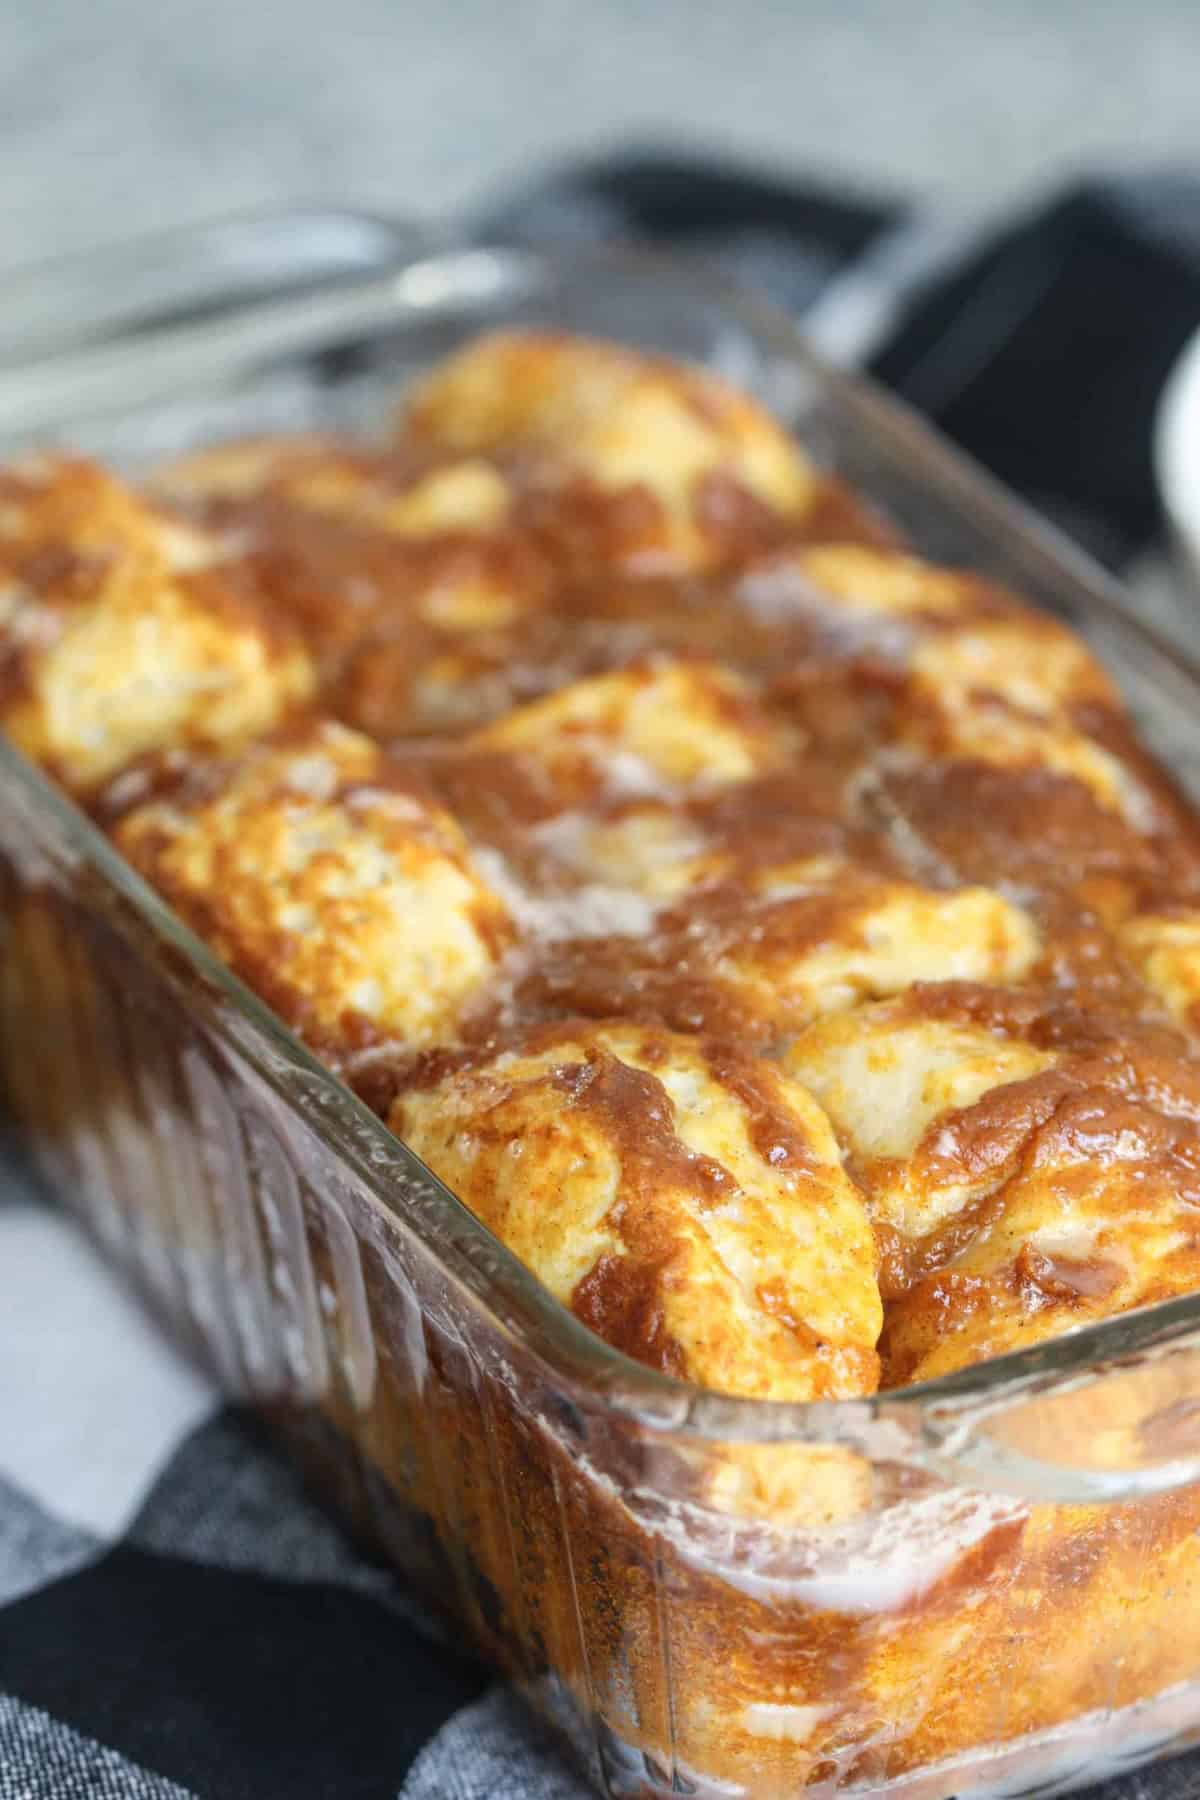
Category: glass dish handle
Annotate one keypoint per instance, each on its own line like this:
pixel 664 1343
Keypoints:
pixel 188 274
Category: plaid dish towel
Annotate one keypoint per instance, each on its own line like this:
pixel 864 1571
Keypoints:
pixel 177 1618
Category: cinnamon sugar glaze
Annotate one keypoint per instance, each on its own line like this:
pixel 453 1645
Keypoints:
pixel 782 943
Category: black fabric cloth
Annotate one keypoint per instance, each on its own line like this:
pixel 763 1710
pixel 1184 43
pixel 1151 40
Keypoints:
pixel 782 238
pixel 194 1625
pixel 1046 354
pixel 232 1644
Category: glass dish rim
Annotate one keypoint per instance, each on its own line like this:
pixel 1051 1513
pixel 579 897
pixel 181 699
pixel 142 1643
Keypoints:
pixel 469 1255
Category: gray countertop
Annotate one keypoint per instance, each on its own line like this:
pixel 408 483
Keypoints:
pixel 121 115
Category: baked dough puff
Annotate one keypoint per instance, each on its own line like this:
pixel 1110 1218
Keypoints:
pixel 1010 693
pixel 331 882
pixel 787 944
pixel 986 679
pixel 723 942
pixel 653 730
pixel 120 633
pixel 892 1077
pixel 946 625
pixel 1023 1188
pixel 816 939
pixel 713 468
pixel 990 680
pixel 806 936
pixel 351 536
pixel 1165 949
pixel 689 1205
pixel 347 482
pixel 860 594
pixel 1100 1218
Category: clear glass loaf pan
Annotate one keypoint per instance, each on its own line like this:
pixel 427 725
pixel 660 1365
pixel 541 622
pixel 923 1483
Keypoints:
pixel 988 1585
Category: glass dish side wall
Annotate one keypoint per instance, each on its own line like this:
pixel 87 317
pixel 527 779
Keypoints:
pixel 839 1609
pixel 723 1618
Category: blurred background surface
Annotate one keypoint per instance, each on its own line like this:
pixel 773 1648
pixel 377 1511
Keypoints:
pixel 118 116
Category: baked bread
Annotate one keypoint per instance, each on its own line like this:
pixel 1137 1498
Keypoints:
pixel 328 876
pixel 689 1204
pixel 123 631
pixel 781 943
pixel 701 792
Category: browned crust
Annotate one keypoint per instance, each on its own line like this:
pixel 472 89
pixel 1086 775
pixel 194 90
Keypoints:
pixel 849 758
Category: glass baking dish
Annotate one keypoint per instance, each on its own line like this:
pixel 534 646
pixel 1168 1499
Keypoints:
pixel 986 1585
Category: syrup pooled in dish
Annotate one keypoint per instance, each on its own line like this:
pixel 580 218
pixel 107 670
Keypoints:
pixel 780 942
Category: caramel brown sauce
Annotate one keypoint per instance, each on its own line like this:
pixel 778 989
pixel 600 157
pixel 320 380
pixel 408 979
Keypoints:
pixel 1050 1612
pixel 861 775
pixel 835 705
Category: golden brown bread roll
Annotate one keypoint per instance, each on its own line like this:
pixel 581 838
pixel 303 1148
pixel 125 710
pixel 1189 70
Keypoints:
pixel 122 632
pixel 619 422
pixel 662 726
pixel 1097 1217
pixel 330 879
pixel 889 1077
pixel 695 770
pixel 1028 1172
pixel 782 944
pixel 1165 947
pixel 688 1203
pixel 352 542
